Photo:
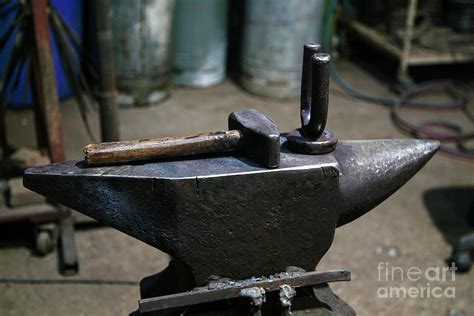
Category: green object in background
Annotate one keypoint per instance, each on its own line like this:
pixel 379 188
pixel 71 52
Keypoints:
pixel 142 41
pixel 199 42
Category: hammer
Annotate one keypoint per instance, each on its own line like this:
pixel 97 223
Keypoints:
pixel 250 132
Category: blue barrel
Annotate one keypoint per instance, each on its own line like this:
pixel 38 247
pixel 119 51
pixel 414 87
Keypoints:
pixel 199 42
pixel 272 49
pixel 142 42
pixel 21 97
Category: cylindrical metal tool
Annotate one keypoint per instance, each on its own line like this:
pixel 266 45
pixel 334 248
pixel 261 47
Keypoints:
pixel 199 42
pixel 271 48
pixel 142 33
pixel 306 80
pixel 318 111
pixel 312 138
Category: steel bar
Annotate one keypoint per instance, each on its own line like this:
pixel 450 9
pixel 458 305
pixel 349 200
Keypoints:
pixel 306 78
pixel 319 95
pixel 109 115
pixel 312 138
pixel 204 295
pixel 44 85
pixel 314 114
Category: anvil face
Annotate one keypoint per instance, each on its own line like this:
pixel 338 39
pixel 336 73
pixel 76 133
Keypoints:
pixel 229 217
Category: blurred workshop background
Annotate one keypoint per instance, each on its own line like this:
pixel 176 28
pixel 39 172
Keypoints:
pixel 76 72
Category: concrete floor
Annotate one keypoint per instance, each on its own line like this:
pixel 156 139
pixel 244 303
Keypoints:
pixel 403 223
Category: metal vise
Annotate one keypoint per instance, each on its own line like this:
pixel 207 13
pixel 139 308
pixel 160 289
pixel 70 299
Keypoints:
pixel 228 216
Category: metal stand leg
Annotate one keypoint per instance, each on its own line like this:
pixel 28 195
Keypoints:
pixel 68 264
pixel 46 102
pixel 48 120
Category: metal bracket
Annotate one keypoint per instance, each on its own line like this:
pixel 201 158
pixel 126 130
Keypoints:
pixel 252 288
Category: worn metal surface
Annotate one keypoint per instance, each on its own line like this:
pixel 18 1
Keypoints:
pixel 271 46
pixel 244 288
pixel 261 138
pixel 300 144
pixel 142 42
pixel 312 138
pixel 227 216
pixel 199 42
pixel 314 117
pixel 306 80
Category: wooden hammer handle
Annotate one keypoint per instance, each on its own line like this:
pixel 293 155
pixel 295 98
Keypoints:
pixel 165 147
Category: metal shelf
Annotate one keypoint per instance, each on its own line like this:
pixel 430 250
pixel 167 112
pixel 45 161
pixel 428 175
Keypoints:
pixel 459 50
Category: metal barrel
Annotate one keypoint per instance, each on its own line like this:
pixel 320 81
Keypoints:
pixel 199 42
pixel 142 34
pixel 273 36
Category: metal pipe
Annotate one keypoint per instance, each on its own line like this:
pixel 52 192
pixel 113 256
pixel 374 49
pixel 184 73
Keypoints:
pixel 109 116
pixel 48 114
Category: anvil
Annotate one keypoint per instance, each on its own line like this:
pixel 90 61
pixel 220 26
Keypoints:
pixel 230 217
pixel 226 215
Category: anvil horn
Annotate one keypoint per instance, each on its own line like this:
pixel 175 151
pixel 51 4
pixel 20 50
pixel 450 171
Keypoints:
pixel 227 216
pixel 374 170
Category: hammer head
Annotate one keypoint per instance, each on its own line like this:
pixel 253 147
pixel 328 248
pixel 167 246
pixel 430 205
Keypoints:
pixel 260 136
